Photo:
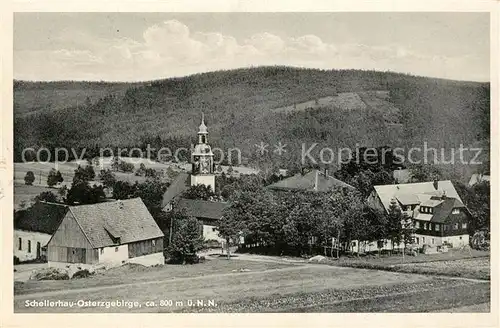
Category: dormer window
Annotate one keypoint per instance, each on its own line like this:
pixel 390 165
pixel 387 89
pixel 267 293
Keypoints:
pixel 455 211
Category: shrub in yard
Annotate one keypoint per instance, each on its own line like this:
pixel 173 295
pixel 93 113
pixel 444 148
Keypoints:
pixel 81 274
pixel 50 274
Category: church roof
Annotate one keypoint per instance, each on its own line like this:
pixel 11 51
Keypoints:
pixel 202 209
pixel 177 187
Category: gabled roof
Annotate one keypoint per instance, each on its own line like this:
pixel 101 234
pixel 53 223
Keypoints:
pixel 477 178
pixel 202 208
pixel 127 219
pixel 441 210
pixel 423 190
pixel 42 217
pixel 407 199
pixel 312 181
pixel 432 202
pixel 180 184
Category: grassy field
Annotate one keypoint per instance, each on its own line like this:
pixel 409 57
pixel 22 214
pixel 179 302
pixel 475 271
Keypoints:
pixel 422 296
pixel 249 286
pixel 457 263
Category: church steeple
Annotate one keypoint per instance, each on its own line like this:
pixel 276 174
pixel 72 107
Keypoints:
pixel 202 171
pixel 202 131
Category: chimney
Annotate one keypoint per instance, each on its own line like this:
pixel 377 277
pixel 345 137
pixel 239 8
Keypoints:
pixel 316 181
pixel 436 184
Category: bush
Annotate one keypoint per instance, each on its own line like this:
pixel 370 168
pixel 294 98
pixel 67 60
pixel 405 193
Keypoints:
pixel 81 274
pixel 50 274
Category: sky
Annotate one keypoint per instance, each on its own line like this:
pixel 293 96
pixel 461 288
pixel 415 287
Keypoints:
pixel 148 46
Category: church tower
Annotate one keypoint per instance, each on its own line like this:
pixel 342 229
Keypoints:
pixel 202 160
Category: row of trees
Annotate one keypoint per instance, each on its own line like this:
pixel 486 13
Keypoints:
pixel 298 222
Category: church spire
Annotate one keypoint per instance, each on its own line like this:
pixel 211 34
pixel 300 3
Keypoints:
pixel 203 127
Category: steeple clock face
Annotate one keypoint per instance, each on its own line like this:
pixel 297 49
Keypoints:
pixel 205 165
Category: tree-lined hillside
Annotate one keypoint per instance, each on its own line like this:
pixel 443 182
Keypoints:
pixel 238 106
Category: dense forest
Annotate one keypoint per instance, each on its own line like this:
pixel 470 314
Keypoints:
pixel 238 107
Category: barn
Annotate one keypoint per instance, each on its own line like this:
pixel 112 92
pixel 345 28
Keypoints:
pixel 109 234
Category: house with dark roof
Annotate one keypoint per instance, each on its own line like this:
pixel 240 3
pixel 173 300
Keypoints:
pixel 207 213
pixel 437 211
pixel 33 228
pixel 314 180
pixel 109 234
pixel 442 220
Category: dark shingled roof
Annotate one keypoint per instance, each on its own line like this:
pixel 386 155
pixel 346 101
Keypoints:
pixel 443 210
pixel 127 219
pixel 41 217
pixel 312 181
pixel 202 208
pixel 180 184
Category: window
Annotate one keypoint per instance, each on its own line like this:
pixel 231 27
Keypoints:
pixel 423 240
pixel 153 242
pixel 455 211
pixel 214 229
pixel 436 227
pixel 29 246
pixel 430 226
pixel 20 243
pixel 455 226
pixel 102 250
pixel 464 225
pixel 460 237
pixel 430 209
pixel 116 249
pixel 417 224
pixel 432 241
pixel 425 226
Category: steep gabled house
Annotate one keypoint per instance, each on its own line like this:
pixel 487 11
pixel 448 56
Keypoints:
pixel 442 220
pixel 33 228
pixel 110 233
pixel 437 211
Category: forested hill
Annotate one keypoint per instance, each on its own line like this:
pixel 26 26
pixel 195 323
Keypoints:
pixel 245 106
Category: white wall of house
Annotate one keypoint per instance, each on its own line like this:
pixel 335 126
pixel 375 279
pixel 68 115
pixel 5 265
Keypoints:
pixel 456 241
pixel 210 233
pixel 113 254
pixel 31 237
pixel 149 260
